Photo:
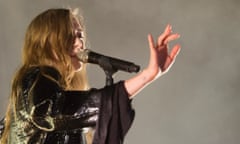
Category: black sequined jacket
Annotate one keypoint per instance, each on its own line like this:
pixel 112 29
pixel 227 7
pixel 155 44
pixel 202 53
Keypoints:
pixel 46 114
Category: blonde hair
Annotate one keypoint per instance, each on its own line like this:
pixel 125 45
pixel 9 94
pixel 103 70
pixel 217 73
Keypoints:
pixel 48 39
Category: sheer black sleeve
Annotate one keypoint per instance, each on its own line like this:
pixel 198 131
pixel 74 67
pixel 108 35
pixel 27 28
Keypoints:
pixel 116 115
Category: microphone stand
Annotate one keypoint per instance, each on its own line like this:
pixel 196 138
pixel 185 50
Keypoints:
pixel 108 69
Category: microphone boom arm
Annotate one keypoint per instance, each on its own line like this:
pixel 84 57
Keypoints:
pixel 110 65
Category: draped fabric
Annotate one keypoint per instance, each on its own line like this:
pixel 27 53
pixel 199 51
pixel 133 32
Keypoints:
pixel 46 114
pixel 116 115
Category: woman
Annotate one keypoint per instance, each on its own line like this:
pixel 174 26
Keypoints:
pixel 51 101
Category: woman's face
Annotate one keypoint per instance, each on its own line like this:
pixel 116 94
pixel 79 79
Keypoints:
pixel 78 45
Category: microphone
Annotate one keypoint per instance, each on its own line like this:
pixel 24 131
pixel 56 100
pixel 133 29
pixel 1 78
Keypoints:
pixel 88 56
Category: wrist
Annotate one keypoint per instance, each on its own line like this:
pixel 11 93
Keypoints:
pixel 150 74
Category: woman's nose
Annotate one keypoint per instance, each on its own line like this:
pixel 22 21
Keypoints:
pixel 77 46
pixel 78 43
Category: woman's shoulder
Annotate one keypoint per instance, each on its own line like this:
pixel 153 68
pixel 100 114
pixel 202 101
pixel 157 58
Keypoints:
pixel 34 71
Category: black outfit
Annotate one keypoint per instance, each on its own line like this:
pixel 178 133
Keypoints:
pixel 46 114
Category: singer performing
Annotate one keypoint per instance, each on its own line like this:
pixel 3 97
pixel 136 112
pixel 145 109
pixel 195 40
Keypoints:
pixel 51 101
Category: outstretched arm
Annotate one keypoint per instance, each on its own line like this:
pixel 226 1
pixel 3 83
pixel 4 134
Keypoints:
pixel 159 63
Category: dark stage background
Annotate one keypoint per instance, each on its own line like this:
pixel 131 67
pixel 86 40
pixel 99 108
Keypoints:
pixel 197 102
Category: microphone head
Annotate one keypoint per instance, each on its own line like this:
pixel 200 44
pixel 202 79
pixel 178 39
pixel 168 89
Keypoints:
pixel 83 55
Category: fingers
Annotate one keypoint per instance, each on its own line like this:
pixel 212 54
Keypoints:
pixel 152 47
pixel 163 36
pixel 175 51
pixel 159 56
pixel 153 59
pixel 167 36
pixel 170 38
pixel 150 41
pixel 171 58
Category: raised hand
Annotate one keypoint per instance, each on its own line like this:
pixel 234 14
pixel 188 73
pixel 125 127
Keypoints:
pixel 160 59
pixel 159 63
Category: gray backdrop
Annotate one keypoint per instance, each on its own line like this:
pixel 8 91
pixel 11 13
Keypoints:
pixel 197 102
